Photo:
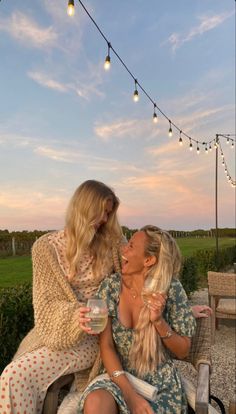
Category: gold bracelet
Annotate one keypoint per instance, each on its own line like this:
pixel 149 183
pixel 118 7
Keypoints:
pixel 168 334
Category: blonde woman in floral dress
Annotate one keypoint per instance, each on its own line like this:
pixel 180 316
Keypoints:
pixel 143 332
pixel 68 267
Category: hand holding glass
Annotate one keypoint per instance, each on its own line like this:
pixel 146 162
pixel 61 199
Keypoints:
pixel 98 314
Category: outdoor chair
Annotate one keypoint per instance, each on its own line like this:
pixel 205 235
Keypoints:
pixel 222 297
pixel 199 357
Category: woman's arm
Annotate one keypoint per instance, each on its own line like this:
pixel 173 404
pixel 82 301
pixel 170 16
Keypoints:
pixel 56 309
pixel 177 344
pixel 111 362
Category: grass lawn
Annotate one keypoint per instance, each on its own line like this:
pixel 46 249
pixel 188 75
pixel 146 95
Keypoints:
pixel 189 246
pixel 16 270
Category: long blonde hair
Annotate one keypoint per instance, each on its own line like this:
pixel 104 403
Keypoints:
pixel 147 350
pixel 85 209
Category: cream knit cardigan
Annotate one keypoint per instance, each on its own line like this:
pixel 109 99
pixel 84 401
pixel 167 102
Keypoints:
pixel 55 304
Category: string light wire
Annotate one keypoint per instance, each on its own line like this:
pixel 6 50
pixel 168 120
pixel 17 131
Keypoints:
pixel 207 144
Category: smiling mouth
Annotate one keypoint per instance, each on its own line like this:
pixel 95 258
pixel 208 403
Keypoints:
pixel 124 260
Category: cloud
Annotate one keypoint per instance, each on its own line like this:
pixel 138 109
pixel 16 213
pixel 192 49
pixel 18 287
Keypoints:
pixel 83 85
pixel 129 128
pixel 206 24
pixel 50 83
pixel 26 30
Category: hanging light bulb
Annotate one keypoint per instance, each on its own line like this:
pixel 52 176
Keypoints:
pixel 206 150
pixel 223 162
pixel 190 146
pixel 232 145
pixel 155 119
pixel 198 149
pixel 227 140
pixel 180 138
pixel 135 95
pixel 71 8
pixel 226 172
pixel 210 149
pixel 215 144
pixel 222 155
pixel 107 63
pixel 170 130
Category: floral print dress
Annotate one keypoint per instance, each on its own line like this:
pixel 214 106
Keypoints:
pixel 171 397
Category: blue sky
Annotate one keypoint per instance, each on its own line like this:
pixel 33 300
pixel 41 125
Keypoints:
pixel 63 119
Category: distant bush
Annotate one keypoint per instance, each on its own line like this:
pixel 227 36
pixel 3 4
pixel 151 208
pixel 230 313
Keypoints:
pixel 16 319
pixel 207 260
pixel 189 275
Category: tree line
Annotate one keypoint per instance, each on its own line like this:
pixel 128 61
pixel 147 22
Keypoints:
pixel 25 235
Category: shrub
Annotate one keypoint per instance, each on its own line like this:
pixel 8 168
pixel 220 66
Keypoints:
pixel 16 319
pixel 189 275
pixel 207 260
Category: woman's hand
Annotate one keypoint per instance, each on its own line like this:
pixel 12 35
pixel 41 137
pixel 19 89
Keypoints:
pixel 156 304
pixel 138 405
pixel 83 320
pixel 201 311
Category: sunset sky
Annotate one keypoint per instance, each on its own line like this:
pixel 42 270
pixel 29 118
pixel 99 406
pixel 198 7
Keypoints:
pixel 64 119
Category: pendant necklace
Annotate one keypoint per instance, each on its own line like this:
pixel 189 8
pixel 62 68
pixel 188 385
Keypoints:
pixel 132 290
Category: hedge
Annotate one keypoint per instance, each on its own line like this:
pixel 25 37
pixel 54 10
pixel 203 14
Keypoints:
pixel 16 319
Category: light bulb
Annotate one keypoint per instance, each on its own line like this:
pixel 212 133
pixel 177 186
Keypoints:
pixel 210 149
pixel 71 8
pixel 170 130
pixel 135 96
pixel 227 141
pixel 180 141
pixel 190 146
pixel 155 119
pixel 198 150
pixel 107 63
pixel 206 150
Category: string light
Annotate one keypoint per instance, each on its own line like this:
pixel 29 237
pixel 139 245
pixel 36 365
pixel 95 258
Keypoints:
pixel 206 150
pixel 170 129
pixel 107 63
pixel 70 11
pixel 155 119
pixel 180 138
pixel 135 95
pixel 71 8
pixel 190 145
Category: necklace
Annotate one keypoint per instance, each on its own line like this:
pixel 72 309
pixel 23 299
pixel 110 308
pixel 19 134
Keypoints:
pixel 134 293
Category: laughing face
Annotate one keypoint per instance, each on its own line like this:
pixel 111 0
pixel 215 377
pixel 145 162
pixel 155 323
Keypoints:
pixel 133 254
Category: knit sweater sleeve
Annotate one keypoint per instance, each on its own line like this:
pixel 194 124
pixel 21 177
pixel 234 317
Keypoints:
pixel 55 304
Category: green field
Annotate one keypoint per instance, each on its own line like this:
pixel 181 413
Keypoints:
pixel 15 270
pixel 189 246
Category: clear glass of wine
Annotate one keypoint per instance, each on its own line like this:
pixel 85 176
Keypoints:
pixel 98 314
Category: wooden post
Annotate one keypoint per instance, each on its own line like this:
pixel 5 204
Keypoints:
pixel 13 245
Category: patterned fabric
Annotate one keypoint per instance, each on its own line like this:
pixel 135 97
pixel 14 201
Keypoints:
pixel 84 284
pixel 56 345
pixel 171 398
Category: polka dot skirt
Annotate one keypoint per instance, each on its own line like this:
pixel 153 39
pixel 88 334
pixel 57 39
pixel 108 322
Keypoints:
pixel 24 382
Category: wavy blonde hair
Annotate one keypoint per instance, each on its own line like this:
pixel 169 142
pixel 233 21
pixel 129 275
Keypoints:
pixel 147 350
pixel 86 208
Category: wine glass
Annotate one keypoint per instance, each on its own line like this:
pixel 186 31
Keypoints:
pixel 98 314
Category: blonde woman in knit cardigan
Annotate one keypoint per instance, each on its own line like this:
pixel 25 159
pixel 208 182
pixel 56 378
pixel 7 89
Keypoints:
pixel 68 267
pixel 149 321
